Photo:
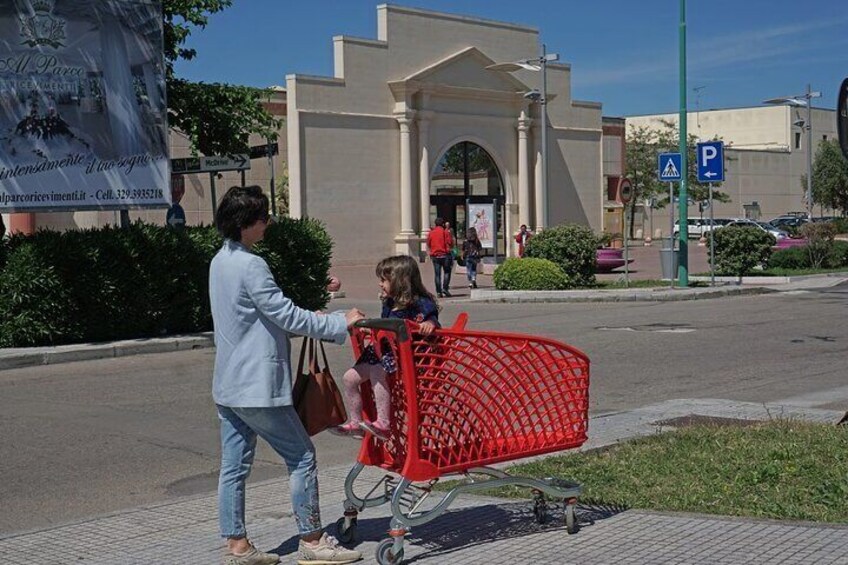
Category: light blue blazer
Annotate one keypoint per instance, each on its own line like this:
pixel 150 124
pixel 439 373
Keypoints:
pixel 253 324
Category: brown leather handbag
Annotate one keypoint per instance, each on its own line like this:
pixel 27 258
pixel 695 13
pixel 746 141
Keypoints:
pixel 316 397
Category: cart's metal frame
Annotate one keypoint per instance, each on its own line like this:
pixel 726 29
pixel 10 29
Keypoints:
pixel 406 499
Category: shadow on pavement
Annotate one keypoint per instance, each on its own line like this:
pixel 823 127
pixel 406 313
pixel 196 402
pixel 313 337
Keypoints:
pixel 469 527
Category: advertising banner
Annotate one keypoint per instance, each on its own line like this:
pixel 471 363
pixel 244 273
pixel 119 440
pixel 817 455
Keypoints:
pixel 83 116
pixel 481 218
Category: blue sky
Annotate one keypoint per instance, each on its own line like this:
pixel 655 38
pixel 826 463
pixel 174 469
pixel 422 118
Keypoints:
pixel 624 53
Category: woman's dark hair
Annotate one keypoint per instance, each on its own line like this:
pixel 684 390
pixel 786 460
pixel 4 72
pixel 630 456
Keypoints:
pixel 471 234
pixel 405 285
pixel 241 207
pixel 440 222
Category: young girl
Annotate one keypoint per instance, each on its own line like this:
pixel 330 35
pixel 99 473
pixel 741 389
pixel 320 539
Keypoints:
pixel 404 296
pixel 471 249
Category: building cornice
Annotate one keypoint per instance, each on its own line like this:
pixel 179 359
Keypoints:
pixel 456 18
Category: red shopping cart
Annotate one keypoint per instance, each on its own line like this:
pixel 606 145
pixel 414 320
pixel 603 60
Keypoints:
pixel 461 401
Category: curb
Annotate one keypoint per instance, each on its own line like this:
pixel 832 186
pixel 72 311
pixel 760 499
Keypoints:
pixel 33 356
pixel 624 295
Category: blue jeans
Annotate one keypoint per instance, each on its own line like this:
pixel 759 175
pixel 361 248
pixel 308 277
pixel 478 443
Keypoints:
pixel 282 429
pixel 439 263
pixel 471 269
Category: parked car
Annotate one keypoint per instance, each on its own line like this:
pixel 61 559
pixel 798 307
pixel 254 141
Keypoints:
pixel 768 228
pixel 787 221
pixel 696 227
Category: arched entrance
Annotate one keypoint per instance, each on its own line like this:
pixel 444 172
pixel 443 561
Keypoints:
pixel 466 173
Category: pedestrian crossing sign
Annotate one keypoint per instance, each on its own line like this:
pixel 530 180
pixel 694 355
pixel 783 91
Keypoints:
pixel 669 166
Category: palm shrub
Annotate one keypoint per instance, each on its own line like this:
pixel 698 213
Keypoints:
pixel 571 246
pixel 530 274
pixel 738 249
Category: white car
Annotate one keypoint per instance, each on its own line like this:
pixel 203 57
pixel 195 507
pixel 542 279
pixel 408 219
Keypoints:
pixel 699 226
pixel 768 228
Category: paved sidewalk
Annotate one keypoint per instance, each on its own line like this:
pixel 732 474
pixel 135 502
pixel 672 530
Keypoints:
pixel 476 530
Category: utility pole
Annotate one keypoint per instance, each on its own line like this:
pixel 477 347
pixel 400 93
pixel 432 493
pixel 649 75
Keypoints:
pixel 683 213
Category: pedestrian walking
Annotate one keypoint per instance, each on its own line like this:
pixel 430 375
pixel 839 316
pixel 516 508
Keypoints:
pixel 252 382
pixel 439 245
pixel 471 250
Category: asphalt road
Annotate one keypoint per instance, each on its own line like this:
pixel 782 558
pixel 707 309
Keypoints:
pixel 89 438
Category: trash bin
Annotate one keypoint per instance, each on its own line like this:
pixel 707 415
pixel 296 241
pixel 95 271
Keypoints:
pixel 668 260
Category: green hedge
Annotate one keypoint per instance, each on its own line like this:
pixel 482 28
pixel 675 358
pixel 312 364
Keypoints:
pixel 571 246
pixel 738 249
pixel 107 283
pixel 530 274
pixel 799 257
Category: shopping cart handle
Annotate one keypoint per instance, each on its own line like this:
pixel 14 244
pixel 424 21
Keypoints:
pixel 395 325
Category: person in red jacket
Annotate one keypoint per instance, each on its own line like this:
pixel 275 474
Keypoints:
pixel 439 245
pixel 522 238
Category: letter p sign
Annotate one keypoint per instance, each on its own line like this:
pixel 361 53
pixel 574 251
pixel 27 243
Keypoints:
pixel 711 161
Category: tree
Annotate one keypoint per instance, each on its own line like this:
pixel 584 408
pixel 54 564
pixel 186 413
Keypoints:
pixel 641 159
pixel 830 177
pixel 217 118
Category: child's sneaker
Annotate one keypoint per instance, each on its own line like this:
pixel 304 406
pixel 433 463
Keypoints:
pixel 378 429
pixel 349 429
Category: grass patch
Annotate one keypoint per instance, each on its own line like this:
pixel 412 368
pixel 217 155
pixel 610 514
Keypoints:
pixel 779 469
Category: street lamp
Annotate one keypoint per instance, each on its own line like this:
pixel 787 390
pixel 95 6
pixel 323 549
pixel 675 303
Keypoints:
pixel 800 101
pixel 536 65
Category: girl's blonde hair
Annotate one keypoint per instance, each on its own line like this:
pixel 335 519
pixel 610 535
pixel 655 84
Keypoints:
pixel 404 277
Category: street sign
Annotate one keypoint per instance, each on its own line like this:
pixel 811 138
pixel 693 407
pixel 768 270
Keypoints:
pixel 710 158
pixel 211 163
pixel 259 151
pixel 669 167
pixel 625 190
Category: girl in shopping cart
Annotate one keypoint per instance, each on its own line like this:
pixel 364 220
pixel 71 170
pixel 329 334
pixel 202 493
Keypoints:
pixel 404 296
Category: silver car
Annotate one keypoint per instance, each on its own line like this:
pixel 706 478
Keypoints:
pixel 768 228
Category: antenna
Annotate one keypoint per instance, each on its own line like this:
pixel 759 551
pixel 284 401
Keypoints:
pixel 697 90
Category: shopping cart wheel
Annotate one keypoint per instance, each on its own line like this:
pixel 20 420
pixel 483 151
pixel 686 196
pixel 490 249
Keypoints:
pixel 386 554
pixel 346 535
pixel 540 507
pixel 571 525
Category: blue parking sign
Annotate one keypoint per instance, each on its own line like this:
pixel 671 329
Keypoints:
pixel 668 167
pixel 710 157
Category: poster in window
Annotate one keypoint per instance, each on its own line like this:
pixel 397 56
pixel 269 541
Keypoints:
pixel 481 218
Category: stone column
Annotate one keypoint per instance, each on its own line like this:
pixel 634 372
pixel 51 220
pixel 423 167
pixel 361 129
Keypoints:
pixel 523 170
pixel 424 175
pixel 538 193
pixel 406 212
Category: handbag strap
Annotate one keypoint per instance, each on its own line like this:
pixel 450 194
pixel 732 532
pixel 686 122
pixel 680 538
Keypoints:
pixel 303 348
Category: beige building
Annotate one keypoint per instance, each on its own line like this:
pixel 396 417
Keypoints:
pixel 412 125
pixel 765 157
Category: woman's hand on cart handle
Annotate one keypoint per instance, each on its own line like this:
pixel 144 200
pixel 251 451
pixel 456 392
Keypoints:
pixel 353 316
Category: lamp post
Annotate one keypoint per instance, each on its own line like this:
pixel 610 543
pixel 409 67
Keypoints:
pixel 800 101
pixel 536 65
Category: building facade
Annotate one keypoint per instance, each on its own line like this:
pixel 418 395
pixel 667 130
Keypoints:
pixel 765 158
pixel 413 125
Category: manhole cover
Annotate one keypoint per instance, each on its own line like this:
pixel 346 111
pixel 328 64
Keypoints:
pixel 698 420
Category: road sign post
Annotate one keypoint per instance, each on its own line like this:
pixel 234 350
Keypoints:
pixel 625 195
pixel 710 158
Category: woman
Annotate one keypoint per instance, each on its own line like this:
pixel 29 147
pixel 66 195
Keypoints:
pixel 252 382
pixel 471 250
